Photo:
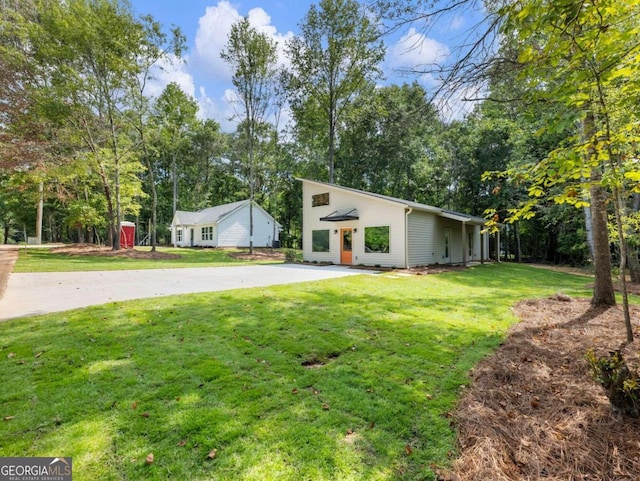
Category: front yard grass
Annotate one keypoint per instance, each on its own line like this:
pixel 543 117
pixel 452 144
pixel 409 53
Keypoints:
pixel 45 260
pixel 348 379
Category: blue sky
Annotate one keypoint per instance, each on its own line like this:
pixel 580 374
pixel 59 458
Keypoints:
pixel 206 24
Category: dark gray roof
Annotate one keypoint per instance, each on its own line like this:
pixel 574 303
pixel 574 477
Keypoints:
pixel 210 215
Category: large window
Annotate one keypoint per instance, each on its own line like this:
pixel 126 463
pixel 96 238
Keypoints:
pixel 320 241
pixel 320 199
pixel 207 233
pixel 179 235
pixel 376 239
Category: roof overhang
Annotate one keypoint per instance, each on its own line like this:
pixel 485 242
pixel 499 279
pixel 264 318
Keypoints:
pixel 458 217
pixel 341 215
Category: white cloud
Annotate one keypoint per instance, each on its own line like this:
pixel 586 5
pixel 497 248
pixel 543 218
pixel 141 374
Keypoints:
pixel 170 69
pixel 416 50
pixel 213 29
pixel 456 105
pixel 215 108
pixel 212 35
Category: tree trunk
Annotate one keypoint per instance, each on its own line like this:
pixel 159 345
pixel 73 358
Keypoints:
pixel 39 213
pixel 518 247
pixel 332 135
pixel 634 265
pixel 603 292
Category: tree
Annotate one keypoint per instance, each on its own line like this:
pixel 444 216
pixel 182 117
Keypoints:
pixel 332 60
pixel 582 59
pixel 388 137
pixel 252 57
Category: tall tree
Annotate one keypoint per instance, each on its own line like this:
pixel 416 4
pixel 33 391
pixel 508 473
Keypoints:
pixel 175 116
pixel 333 59
pixel 159 47
pixel 252 57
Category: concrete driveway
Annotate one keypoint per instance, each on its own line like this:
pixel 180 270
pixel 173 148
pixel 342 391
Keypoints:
pixel 46 292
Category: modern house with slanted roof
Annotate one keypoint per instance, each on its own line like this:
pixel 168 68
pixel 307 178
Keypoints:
pixel 349 226
pixel 224 226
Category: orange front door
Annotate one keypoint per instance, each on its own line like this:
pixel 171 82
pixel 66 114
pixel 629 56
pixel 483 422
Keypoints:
pixel 345 246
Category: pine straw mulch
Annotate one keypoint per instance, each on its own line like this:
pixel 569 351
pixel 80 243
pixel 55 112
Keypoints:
pixel 534 412
pixel 98 250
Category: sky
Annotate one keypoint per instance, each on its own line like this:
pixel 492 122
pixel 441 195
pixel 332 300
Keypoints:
pixel 206 25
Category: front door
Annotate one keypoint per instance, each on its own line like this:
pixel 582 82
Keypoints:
pixel 345 246
pixel 191 240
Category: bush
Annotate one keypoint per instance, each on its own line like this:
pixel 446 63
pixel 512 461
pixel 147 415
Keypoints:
pixel 290 255
pixel 621 385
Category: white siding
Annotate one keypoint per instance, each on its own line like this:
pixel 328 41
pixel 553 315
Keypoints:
pixel 233 231
pixel 372 213
pixel 422 239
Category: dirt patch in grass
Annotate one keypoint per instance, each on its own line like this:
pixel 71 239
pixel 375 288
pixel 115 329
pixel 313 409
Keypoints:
pixel 533 410
pixel 259 255
pixel 98 250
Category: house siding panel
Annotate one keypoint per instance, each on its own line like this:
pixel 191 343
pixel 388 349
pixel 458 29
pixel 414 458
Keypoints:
pixel 422 250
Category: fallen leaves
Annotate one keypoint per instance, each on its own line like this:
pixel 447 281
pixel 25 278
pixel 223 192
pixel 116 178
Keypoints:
pixel 212 454
pixel 150 458
pixel 8 418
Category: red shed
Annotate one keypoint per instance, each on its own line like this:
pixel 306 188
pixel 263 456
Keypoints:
pixel 127 234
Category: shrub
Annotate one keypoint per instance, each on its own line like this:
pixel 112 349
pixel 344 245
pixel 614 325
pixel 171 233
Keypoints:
pixel 621 385
pixel 290 255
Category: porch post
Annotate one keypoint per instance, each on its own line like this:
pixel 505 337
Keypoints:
pixel 481 246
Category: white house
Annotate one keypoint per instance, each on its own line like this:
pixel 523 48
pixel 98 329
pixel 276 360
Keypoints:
pixel 224 226
pixel 348 226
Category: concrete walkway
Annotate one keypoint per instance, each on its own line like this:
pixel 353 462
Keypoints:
pixel 46 292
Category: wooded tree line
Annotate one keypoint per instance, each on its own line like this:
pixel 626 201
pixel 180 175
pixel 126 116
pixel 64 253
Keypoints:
pixel 554 129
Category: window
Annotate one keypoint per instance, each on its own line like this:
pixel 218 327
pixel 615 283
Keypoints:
pixel 320 241
pixel 376 240
pixel 179 235
pixel 470 244
pixel 320 199
pixel 207 233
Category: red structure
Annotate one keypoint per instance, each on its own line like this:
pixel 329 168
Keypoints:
pixel 127 234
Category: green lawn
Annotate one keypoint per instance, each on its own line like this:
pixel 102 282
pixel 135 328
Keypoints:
pixel 348 379
pixel 44 260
